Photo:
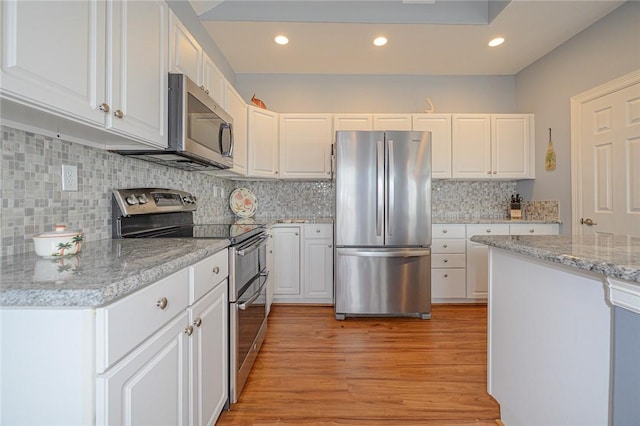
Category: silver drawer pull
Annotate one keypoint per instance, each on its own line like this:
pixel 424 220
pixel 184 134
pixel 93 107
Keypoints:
pixel 532 230
pixel 188 331
pixel 198 322
pixel 446 260
pixel 444 231
pixel 488 231
pixel 216 270
pixel 104 107
pixel 162 303
pixel 446 275
pixel 445 246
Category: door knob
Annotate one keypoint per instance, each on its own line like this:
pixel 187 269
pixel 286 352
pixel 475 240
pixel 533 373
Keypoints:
pixel 588 222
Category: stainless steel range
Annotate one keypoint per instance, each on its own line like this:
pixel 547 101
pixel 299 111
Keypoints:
pixel 168 213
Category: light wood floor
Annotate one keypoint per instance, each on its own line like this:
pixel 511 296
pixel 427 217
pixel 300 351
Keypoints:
pixel 313 369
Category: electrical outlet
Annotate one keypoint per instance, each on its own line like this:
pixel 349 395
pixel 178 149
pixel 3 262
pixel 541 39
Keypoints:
pixel 69 178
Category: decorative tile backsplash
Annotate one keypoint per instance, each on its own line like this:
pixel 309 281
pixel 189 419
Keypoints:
pixel 33 201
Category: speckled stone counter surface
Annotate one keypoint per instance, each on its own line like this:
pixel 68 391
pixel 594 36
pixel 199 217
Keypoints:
pixel 618 257
pixel 475 220
pixel 102 272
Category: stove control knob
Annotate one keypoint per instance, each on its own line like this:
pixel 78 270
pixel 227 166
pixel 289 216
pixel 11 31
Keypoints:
pixel 132 200
pixel 142 199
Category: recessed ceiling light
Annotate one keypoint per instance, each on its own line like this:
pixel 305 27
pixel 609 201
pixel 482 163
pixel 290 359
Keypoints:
pixel 496 42
pixel 281 40
pixel 380 41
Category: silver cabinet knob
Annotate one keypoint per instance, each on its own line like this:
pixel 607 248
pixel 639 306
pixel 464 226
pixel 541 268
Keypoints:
pixel 296 233
pixel 317 231
pixel 495 172
pixel 444 231
pixel 488 231
pixel 489 172
pixel 446 261
pixel 198 322
pixel 104 107
pixel 446 275
pixel 188 331
pixel 532 230
pixel 216 270
pixel 162 303
pixel 330 245
pixel 445 246
pixel 118 113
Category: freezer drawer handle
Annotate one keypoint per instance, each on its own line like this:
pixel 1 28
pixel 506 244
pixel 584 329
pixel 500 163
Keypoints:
pixel 385 253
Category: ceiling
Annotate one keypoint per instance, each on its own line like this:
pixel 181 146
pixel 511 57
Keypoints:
pixel 426 37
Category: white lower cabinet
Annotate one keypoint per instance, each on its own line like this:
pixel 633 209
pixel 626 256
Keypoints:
pixel 156 357
pixel 303 263
pixel 448 280
pixel 459 266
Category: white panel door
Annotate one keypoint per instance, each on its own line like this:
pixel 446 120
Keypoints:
pixel 53 56
pixel 263 143
pixel 286 255
pixel 471 146
pixel 353 122
pixel 213 80
pixel 185 52
pixel 511 145
pixel 137 67
pixel 391 122
pixel 318 269
pixel 610 135
pixel 237 108
pixel 305 146
pixel 440 127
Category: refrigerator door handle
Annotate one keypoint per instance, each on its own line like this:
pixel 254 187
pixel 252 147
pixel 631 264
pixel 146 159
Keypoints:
pixel 379 188
pixel 384 253
pixel 390 185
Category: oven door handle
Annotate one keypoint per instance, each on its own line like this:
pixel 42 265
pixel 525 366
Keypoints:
pixel 262 242
pixel 245 305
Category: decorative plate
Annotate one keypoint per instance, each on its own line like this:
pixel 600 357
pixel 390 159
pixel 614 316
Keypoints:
pixel 243 202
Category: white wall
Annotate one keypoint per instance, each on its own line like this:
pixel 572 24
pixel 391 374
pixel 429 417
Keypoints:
pixel 608 49
pixel 378 93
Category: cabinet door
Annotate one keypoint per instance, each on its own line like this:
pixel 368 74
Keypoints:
pixel 440 127
pixel 286 255
pixel 185 54
pixel 478 259
pixel 209 356
pixel 318 270
pixel 305 146
pixel 511 140
pixel 53 56
pixel 137 69
pixel 237 108
pixel 263 143
pixel 352 122
pixel 213 80
pixel 471 146
pixel 150 386
pixel 391 122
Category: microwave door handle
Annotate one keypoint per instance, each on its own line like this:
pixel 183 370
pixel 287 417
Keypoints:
pixel 225 127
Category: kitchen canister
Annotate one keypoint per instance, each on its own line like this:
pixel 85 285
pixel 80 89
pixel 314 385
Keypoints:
pixel 60 242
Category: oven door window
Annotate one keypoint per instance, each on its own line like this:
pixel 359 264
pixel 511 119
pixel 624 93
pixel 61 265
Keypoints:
pixel 251 310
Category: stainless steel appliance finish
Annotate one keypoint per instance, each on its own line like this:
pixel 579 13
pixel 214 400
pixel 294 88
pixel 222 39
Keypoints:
pixel 200 132
pixel 163 213
pixel 383 224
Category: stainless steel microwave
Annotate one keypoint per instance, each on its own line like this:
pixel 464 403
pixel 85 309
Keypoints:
pixel 200 132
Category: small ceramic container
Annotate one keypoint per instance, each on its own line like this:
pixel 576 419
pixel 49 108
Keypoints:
pixel 60 242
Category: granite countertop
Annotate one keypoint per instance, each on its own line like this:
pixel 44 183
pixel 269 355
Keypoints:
pixel 101 273
pixel 618 257
pixel 477 220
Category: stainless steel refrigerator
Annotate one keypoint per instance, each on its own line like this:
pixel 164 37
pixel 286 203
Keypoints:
pixel 383 224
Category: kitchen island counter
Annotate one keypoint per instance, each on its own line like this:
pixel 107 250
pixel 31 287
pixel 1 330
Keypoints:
pixel 617 257
pixel 101 273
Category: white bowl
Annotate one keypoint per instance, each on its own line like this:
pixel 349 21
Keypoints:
pixel 58 243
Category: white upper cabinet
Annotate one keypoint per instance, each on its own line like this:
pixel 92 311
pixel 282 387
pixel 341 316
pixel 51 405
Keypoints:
pixel 391 121
pixel 440 127
pixel 352 122
pixel 94 62
pixel 187 57
pixel 236 106
pixel 471 149
pixel 137 67
pixel 493 146
pixel 512 154
pixel 305 146
pixel 53 56
pixel 262 143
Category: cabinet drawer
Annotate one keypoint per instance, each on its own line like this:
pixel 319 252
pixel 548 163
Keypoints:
pixel 445 245
pixel 448 231
pixel 448 260
pixel 123 325
pixel 448 283
pixel 207 274
pixel 534 229
pixel 318 231
pixel 488 229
